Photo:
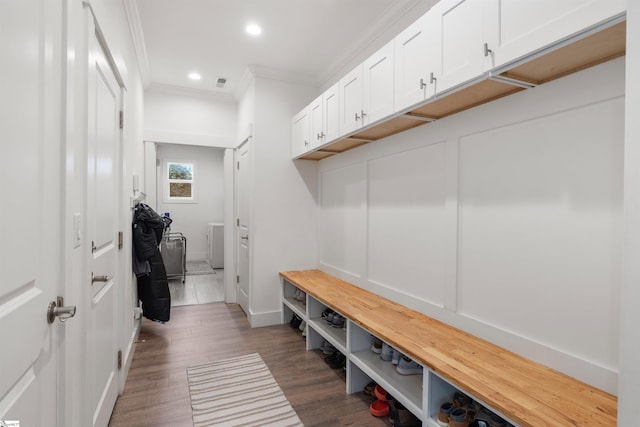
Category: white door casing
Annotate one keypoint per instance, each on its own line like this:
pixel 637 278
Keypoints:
pixel 31 173
pixel 103 207
pixel 244 197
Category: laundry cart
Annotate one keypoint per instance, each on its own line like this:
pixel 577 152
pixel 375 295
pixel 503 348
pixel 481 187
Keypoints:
pixel 174 255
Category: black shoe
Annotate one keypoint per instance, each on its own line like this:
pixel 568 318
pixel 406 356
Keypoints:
pixel 295 321
pixel 339 361
pixel 332 358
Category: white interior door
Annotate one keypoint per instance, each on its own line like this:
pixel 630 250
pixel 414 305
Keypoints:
pixel 244 197
pixel 104 136
pixel 30 261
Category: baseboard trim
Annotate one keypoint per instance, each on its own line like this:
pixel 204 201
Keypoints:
pixel 268 318
pixel 127 358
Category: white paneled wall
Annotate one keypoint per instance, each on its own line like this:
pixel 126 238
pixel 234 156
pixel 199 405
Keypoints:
pixel 504 220
pixel 406 222
pixel 343 220
pixel 540 206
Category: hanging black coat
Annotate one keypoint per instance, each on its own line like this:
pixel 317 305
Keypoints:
pixel 153 288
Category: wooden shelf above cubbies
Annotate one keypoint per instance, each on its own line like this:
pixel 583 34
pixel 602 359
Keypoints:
pixel 470 96
pixel 577 53
pixel 390 126
pixel 590 50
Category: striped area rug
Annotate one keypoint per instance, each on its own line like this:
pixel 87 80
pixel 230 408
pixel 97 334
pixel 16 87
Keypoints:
pixel 238 392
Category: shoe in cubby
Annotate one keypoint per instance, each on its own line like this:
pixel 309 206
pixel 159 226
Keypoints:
pixel 443 414
pixel 395 357
pixel 402 417
pixel 337 321
pixel 376 345
pixel 386 352
pixel 407 366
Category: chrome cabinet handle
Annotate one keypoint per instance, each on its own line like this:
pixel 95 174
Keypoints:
pixel 244 237
pixel 357 117
pixel 422 83
pixel 432 79
pixel 363 113
pixel 487 51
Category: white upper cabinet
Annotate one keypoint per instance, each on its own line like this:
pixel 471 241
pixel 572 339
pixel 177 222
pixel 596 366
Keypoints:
pixel 331 113
pixel 378 85
pixel 324 118
pixel 300 133
pixel 316 134
pixel 414 61
pixel 366 93
pixel 464 28
pixel 528 25
pixel 351 101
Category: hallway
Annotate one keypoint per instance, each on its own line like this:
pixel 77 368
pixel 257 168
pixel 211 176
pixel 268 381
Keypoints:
pixel 156 392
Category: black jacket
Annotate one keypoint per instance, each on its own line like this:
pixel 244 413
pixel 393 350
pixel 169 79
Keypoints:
pixel 153 288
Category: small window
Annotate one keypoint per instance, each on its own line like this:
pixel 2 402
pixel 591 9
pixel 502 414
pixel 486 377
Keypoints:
pixel 180 181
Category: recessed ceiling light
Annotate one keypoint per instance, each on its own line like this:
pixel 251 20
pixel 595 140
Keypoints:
pixel 195 76
pixel 253 29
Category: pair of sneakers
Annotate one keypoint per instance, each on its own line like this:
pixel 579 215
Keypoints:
pixel 404 365
pixel 335 320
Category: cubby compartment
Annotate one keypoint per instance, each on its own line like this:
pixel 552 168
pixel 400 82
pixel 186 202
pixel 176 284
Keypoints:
pixel 441 391
pixel 291 304
pixel 337 336
pixel 407 389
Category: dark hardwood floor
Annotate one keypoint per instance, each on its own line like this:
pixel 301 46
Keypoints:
pixel 157 394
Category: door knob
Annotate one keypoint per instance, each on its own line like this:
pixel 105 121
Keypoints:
pixel 57 309
pixel 96 278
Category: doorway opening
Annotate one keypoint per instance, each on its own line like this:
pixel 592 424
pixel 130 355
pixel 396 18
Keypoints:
pixel 190 184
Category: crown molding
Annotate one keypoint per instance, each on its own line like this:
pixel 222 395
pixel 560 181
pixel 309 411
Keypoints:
pixel 397 16
pixel 137 37
pixel 192 92
pixel 259 71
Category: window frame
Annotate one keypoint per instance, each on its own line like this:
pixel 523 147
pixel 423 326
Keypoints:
pixel 168 181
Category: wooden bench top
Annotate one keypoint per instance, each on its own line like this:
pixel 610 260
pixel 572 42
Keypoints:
pixel 529 393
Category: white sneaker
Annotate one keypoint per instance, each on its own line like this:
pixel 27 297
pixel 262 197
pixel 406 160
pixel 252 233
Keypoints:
pixel 386 352
pixel 407 366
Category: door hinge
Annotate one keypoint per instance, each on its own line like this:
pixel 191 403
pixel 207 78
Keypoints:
pixel 238 278
pixel 120 239
pixel 238 165
pixel 238 222
pixel 121 119
pixel 119 359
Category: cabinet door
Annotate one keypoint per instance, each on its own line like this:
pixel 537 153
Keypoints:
pixel 528 25
pixel 351 101
pixel 331 113
pixel 464 31
pixel 413 62
pixel 300 133
pixel 378 85
pixel 316 134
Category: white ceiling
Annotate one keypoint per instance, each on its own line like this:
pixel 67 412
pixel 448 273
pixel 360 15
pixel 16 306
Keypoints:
pixel 310 41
